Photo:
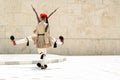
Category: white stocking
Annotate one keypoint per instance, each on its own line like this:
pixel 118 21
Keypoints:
pixel 21 41
pixel 42 52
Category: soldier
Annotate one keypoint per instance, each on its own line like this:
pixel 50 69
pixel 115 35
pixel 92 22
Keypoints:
pixel 42 39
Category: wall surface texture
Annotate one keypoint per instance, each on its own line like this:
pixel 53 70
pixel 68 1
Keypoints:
pixel 90 27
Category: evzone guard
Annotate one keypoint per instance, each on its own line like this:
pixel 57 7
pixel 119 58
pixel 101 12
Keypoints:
pixel 41 38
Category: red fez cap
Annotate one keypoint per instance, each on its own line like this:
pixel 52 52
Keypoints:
pixel 43 15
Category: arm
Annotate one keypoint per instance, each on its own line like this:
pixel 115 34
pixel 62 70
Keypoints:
pixel 38 19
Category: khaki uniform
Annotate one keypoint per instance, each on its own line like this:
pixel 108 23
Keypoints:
pixel 43 39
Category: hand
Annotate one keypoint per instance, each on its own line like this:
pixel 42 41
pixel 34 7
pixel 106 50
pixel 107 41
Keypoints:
pixel 34 31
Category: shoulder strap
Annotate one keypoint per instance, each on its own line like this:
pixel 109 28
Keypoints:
pixel 47 25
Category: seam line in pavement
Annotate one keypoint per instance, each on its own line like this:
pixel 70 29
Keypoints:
pixel 30 62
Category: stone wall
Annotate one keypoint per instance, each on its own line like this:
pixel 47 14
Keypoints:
pixel 90 27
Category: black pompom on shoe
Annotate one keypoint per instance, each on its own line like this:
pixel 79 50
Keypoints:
pixel 55 45
pixel 12 37
pixel 61 39
pixel 45 66
pixel 38 64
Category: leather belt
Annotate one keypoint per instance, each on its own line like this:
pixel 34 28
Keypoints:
pixel 41 34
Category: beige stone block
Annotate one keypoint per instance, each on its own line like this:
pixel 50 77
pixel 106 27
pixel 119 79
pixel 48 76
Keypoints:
pixel 99 4
pixel 108 2
pixel 3 48
pixel 80 47
pixel 26 6
pixel 106 47
pixel 109 21
pixel 24 19
pixel 74 9
pixel 14 30
pixel 2 31
pixel 8 19
pixel 19 31
pixel 12 6
pixel 117 47
pixel 2 7
pixel 87 8
pixel 59 26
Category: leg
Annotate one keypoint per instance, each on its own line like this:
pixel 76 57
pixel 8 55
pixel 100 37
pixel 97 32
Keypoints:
pixel 42 52
pixel 59 41
pixel 21 41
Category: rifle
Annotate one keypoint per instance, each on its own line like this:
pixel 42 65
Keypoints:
pixel 38 19
pixel 53 12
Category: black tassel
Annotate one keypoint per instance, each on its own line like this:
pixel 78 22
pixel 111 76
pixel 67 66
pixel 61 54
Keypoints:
pixel 27 42
pixel 12 37
pixel 55 45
